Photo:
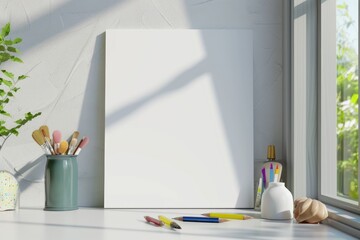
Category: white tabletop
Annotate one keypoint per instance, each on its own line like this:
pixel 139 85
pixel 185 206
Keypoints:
pixel 97 223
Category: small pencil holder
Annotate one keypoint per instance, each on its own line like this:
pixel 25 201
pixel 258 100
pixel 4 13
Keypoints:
pixel 61 183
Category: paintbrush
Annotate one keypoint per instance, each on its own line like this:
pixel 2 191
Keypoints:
pixel 72 146
pixel 45 132
pixel 57 140
pixel 39 138
pixel 73 142
pixel 63 147
pixel 75 135
pixel 83 142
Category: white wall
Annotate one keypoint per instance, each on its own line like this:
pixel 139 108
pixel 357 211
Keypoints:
pixel 63 53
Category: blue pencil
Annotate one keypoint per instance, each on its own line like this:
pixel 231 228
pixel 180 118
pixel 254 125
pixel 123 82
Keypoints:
pixel 271 173
pixel 201 219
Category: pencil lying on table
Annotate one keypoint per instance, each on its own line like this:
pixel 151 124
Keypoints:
pixel 200 219
pixel 169 222
pixel 236 216
pixel 154 221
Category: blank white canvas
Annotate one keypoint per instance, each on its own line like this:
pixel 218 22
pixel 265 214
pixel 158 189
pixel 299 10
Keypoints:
pixel 179 119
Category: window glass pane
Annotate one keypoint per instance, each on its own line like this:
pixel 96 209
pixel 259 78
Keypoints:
pixel 347 98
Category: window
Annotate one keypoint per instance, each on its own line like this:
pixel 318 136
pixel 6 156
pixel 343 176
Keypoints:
pixel 339 97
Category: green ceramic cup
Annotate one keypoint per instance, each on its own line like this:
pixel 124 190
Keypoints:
pixel 61 183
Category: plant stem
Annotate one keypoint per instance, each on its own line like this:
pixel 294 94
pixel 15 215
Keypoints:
pixel 3 142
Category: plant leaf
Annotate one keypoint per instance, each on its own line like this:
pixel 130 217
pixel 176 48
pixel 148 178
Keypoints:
pixel 5 113
pixel 15 89
pixel 4 131
pixel 17 40
pixel 14 131
pixel 19 121
pixel 12 49
pixel 4 56
pixel 5 30
pixel 16 59
pixel 7 83
pixel 8 74
pixel 8 42
pixel 22 77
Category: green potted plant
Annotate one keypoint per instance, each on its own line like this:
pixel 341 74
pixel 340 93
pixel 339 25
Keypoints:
pixel 9 86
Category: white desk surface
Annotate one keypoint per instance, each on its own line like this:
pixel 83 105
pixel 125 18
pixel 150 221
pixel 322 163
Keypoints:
pixel 98 223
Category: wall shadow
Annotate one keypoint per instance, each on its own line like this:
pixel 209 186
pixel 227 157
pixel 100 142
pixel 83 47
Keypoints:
pixel 42 29
pixel 92 124
pixel 30 171
pixel 180 81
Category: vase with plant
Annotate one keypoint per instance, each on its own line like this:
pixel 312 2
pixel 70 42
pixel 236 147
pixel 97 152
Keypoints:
pixel 9 86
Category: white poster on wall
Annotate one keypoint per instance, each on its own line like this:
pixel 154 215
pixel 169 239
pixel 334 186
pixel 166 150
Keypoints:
pixel 179 119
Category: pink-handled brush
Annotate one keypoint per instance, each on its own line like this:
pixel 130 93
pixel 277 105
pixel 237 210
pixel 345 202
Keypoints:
pixel 83 142
pixel 57 140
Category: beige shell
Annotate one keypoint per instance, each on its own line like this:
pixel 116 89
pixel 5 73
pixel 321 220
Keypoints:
pixel 307 210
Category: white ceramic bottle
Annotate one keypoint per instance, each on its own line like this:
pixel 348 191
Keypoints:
pixel 277 202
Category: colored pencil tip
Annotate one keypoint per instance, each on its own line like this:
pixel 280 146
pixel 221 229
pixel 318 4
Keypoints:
pixel 223 220
pixel 175 225
pixel 206 214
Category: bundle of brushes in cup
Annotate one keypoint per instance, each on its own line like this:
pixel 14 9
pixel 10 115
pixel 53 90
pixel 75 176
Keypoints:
pixel 55 145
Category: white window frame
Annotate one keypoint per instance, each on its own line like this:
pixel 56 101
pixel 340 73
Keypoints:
pixel 304 127
pixel 327 114
pixel 309 122
pixel 303 176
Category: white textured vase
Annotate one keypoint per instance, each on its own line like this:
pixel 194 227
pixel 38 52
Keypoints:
pixel 277 202
pixel 9 191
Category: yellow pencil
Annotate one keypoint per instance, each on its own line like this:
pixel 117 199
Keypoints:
pixel 169 222
pixel 236 216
